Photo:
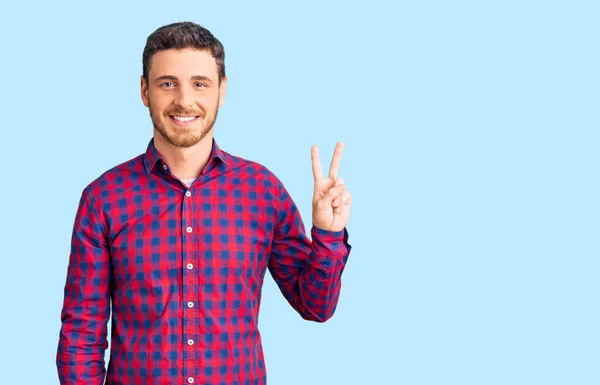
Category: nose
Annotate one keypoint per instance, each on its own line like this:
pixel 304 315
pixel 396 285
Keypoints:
pixel 184 97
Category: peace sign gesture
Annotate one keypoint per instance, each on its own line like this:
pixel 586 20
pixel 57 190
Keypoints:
pixel 331 200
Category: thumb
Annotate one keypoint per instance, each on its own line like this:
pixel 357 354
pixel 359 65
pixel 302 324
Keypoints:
pixel 333 193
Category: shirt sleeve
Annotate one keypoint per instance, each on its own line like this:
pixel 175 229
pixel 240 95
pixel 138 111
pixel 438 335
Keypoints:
pixel 307 273
pixel 86 307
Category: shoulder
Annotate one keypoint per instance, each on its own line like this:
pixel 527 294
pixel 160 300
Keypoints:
pixel 254 172
pixel 117 177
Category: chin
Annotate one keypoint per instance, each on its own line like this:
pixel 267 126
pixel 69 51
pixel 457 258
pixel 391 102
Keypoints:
pixel 186 141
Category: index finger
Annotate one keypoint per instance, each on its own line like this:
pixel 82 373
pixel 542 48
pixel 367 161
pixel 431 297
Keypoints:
pixel 316 164
pixel 335 161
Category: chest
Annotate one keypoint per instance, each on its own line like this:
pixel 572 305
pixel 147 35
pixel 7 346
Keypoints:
pixel 224 234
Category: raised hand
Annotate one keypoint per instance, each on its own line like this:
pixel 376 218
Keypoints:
pixel 331 200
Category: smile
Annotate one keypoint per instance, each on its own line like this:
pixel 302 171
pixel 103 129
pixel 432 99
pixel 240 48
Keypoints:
pixel 183 120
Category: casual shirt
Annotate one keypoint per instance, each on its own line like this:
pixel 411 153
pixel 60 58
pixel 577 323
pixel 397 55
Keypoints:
pixel 182 270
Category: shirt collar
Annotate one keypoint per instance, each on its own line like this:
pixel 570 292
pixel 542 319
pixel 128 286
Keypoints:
pixel 152 156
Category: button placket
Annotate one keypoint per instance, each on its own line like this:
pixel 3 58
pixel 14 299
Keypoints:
pixel 189 257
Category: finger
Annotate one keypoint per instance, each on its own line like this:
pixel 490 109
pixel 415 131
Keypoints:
pixel 341 200
pixel 334 167
pixel 316 164
pixel 346 198
pixel 332 194
pixel 339 184
pixel 345 201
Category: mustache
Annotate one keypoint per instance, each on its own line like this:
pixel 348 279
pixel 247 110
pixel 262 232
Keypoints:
pixel 182 112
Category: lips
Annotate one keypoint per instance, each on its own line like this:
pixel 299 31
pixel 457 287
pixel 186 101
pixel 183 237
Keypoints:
pixel 183 121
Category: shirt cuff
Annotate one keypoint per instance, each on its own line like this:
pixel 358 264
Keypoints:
pixel 330 244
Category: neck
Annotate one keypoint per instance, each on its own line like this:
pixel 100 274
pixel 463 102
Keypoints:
pixel 185 163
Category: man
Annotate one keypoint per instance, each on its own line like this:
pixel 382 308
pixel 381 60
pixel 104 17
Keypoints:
pixel 180 237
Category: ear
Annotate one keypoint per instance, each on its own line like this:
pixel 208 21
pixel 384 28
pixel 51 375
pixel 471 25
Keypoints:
pixel 144 90
pixel 222 91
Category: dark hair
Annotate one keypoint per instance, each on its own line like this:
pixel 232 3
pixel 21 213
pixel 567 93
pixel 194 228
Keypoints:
pixel 183 35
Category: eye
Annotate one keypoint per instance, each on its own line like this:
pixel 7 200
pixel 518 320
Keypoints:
pixel 200 85
pixel 167 84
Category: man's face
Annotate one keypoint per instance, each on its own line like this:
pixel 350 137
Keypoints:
pixel 183 95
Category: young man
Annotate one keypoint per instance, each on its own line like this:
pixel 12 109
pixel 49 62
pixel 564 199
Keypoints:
pixel 179 239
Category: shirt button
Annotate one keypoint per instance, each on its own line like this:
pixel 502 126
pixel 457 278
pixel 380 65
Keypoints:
pixel 189 230
pixel 190 304
pixel 190 266
pixel 165 166
pixel 188 194
pixel 190 342
pixel 191 380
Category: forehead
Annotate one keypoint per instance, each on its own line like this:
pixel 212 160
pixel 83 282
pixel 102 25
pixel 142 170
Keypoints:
pixel 183 63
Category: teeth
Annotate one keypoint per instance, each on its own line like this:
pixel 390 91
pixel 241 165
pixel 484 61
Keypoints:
pixel 184 118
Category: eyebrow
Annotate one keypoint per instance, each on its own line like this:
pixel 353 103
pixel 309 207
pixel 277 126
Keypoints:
pixel 195 77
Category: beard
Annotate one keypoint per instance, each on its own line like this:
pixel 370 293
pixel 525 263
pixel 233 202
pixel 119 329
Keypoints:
pixel 182 137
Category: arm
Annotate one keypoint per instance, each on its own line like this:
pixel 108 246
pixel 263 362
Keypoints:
pixel 308 274
pixel 86 307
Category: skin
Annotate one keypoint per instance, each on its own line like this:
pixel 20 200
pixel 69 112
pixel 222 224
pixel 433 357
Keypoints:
pixel 185 82
pixel 331 200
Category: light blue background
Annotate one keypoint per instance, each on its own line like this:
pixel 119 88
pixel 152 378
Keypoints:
pixel 471 131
